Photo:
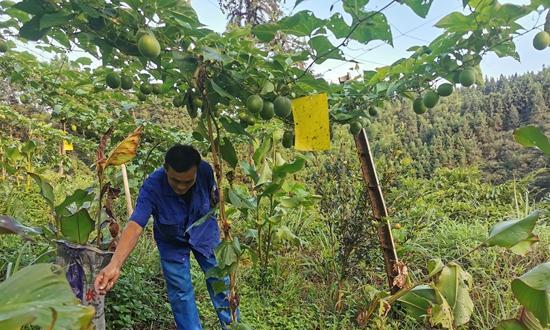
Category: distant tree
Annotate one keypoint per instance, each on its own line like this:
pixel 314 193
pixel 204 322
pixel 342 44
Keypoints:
pixel 251 12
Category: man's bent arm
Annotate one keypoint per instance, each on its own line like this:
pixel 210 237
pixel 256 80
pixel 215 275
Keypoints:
pixel 108 276
pixel 127 243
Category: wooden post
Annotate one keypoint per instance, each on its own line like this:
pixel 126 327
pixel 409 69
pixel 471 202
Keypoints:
pixel 378 209
pixel 129 206
pixel 62 151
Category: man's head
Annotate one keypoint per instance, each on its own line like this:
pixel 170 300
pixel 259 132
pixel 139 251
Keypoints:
pixel 181 163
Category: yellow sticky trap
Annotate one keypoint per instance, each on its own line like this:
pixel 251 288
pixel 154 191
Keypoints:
pixel 311 125
pixel 68 146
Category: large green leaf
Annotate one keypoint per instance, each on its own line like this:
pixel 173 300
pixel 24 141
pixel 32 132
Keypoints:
pixel 454 284
pixel 234 127
pixel 261 152
pixel 77 227
pixel 279 172
pixel 40 295
pixel 457 22
pixel 511 232
pixel 9 225
pixel 375 28
pixel 54 19
pixel 418 301
pixel 532 290
pixel 78 199
pixel 324 49
pixel 46 189
pixel 301 24
pixel 265 174
pixel 531 136
pixel 228 253
pixel 511 324
pixel 228 152
pixel 31 29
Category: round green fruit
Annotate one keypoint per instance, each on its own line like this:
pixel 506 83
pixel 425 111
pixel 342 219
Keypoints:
pixel 178 101
pixel 142 97
pixel 282 106
pixel 146 88
pixel 24 99
pixel 445 89
pixel 73 128
pixel 250 119
pixel 467 77
pixel 373 112
pixel 157 89
pixel 268 111
pixel 430 99
pixel 3 46
pixel 126 82
pixel 418 106
pixel 541 40
pixel 113 80
pixel 456 77
pixel 288 139
pixel 254 103
pixel 149 46
pixel 355 127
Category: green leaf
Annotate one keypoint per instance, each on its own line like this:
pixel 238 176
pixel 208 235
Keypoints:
pixel 454 284
pixel 74 202
pixel 31 29
pixel 33 7
pixel 338 26
pixel 442 313
pixel 264 148
pixel 532 290
pixel 323 47
pixel 267 88
pixel 9 225
pixel 77 227
pixel 234 127
pixel 213 54
pixel 301 24
pixel 457 22
pixel 418 301
pixel 38 295
pixel 280 172
pixel 375 28
pixel 28 147
pixel 531 136
pixel 185 62
pixel 55 19
pixel 228 152
pixel 228 253
pixel 435 266
pixel 284 234
pixel 522 247
pixel 512 324
pixel 240 202
pixel 265 174
pixel 511 232
pixel 203 219
pixel 354 7
pixel 250 171
pixel 220 90
pixel 265 32
pixel 46 189
pixel 420 7
pixel 271 189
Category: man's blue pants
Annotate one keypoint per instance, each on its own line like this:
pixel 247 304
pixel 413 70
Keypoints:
pixel 182 297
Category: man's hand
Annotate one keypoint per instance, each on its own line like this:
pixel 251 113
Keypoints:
pixel 106 278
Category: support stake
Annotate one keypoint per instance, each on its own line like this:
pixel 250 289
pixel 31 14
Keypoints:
pixel 379 210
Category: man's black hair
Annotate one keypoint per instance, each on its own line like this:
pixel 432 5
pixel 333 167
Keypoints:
pixel 181 158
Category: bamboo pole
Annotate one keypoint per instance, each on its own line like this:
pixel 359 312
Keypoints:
pixel 127 195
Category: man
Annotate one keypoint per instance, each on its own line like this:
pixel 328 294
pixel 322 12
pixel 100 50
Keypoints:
pixel 177 195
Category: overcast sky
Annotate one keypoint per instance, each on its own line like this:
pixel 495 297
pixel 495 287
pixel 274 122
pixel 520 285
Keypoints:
pixel 407 30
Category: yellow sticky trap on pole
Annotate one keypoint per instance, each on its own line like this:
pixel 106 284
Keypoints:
pixel 311 124
pixel 68 146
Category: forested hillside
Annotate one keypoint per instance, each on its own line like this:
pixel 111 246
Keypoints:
pixel 470 128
